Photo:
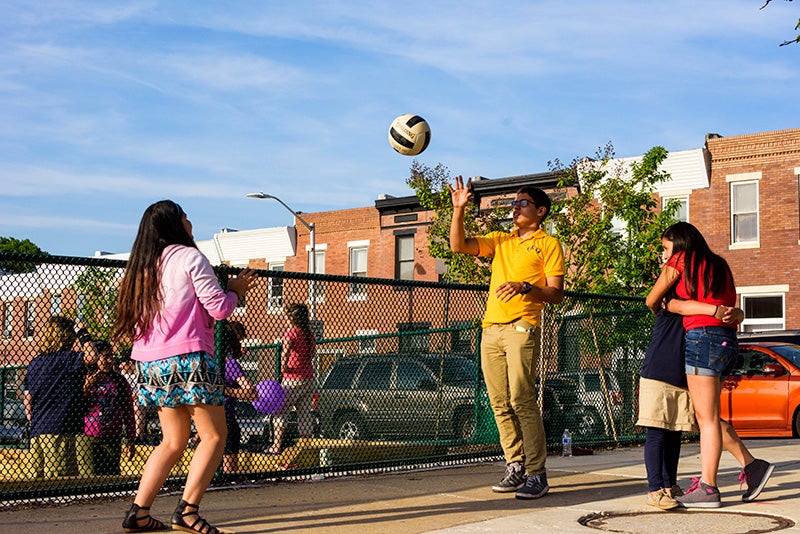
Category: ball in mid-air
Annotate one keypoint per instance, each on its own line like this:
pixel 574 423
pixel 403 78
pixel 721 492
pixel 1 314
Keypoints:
pixel 409 134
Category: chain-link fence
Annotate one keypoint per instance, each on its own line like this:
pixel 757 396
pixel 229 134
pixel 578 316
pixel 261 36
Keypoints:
pixel 397 379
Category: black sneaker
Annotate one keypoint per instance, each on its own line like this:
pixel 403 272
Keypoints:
pixel 755 475
pixel 513 480
pixel 535 487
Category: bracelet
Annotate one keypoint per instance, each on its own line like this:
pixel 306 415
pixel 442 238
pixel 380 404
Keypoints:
pixel 715 312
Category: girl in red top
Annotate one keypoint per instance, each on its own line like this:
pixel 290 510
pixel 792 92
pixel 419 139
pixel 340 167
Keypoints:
pixel 298 375
pixel 711 344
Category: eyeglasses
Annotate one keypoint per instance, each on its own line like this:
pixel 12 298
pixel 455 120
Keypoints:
pixel 524 203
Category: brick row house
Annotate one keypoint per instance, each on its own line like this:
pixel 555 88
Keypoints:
pixel 742 192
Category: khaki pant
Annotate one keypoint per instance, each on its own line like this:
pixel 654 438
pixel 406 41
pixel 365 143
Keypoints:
pixel 52 455
pixel 509 358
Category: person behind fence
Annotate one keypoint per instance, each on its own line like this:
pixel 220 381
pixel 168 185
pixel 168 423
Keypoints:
pixel 109 417
pixel 53 396
pixel 711 350
pixel 237 387
pixel 168 300
pixel 527 271
pixel 127 368
pixel 297 371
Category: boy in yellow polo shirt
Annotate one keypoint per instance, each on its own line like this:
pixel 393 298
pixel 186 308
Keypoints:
pixel 527 271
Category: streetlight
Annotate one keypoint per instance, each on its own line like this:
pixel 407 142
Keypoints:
pixel 310 227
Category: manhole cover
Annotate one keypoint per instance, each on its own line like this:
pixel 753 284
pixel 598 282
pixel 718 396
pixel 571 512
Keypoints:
pixel 686 521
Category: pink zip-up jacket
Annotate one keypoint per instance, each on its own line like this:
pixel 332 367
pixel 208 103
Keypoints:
pixel 193 300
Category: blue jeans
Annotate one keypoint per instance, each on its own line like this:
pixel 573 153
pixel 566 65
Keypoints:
pixel 711 351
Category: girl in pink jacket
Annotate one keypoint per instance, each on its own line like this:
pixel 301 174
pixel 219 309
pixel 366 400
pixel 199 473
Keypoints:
pixel 168 302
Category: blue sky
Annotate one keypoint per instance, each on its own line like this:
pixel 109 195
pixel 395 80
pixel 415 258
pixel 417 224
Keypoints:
pixel 106 107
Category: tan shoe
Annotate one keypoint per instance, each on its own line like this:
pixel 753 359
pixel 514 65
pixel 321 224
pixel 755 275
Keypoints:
pixel 661 500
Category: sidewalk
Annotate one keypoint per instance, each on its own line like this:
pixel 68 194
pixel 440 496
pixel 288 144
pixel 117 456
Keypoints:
pixel 459 500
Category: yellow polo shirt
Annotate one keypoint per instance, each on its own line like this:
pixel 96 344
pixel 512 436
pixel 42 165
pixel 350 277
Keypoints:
pixel 531 260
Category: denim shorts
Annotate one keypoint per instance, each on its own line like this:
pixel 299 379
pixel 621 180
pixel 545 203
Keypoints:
pixel 711 351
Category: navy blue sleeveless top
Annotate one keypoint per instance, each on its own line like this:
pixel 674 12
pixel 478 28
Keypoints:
pixel 664 358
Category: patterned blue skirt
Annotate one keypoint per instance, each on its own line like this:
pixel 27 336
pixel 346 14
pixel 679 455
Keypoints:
pixel 193 378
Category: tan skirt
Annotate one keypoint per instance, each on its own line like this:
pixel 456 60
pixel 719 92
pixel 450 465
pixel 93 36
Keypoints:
pixel 663 405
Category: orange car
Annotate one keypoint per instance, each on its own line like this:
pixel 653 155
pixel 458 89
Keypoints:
pixel 761 397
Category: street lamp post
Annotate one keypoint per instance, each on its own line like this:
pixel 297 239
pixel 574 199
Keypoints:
pixel 313 248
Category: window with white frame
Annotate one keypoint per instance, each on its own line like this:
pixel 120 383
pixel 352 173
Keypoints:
pixel 358 267
pixel 30 318
pixel 744 208
pixel 316 289
pixel 55 304
pixel 366 341
pixel 8 320
pixel 404 257
pixel 80 305
pixel 764 311
pixel 275 288
pixel 682 213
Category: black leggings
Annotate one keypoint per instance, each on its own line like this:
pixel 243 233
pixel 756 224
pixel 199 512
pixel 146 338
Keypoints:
pixel 662 449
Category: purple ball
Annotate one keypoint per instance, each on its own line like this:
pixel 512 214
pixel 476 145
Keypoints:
pixel 270 397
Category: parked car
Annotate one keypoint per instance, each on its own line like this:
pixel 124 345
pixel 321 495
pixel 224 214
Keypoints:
pixel 402 397
pixel 398 396
pixel 761 397
pixel 586 384
pixel 14 427
pixel 255 427
pixel 783 336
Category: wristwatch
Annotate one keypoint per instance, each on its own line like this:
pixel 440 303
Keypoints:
pixel 526 287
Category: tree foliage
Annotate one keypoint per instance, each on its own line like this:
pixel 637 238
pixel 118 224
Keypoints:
pixel 599 257
pixel 431 187
pixel 24 246
pixel 99 288
pixel 611 230
pixel 796 27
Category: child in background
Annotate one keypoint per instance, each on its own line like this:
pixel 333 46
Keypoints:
pixel 109 417
pixel 237 387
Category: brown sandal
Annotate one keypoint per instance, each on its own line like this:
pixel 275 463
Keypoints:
pixel 132 523
pixel 198 526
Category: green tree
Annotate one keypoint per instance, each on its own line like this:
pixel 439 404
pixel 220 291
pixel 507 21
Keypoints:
pixel 98 288
pixel 611 229
pixel 431 187
pixel 24 246
pixel 600 258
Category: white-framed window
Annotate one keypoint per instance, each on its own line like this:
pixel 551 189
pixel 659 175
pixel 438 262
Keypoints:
pixel 744 209
pixel 30 318
pixel 764 307
pixel 275 288
pixel 366 341
pixel 682 213
pixel 316 289
pixel 404 257
pixel 358 267
pixel 8 320
pixel 80 306
pixel 797 173
pixel 55 304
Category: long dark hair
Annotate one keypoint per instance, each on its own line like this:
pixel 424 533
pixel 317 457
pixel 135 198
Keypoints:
pixel 139 298
pixel 696 252
pixel 298 316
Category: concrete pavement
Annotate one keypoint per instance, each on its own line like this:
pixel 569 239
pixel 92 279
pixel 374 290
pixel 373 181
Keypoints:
pixel 591 489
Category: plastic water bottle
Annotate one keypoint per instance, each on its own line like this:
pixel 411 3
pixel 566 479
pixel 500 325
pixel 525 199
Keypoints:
pixel 566 443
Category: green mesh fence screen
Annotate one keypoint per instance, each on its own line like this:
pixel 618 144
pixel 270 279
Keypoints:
pixel 397 379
